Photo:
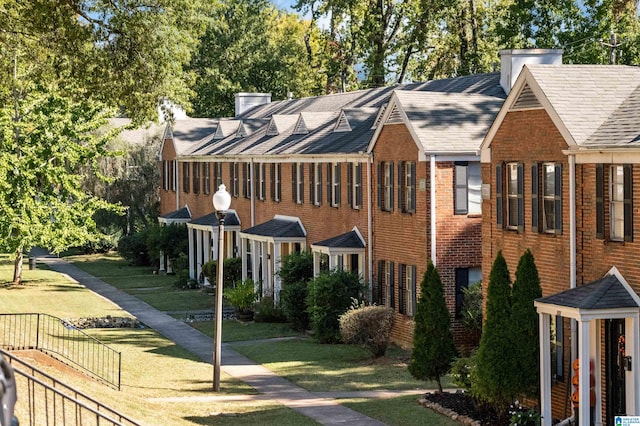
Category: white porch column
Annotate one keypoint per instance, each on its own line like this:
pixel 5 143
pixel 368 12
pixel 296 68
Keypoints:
pixel 595 351
pixel 255 260
pixel 332 262
pixel 316 263
pixel 361 265
pixel 207 250
pixel 199 251
pixel 584 337
pixel 276 269
pixel 545 369
pixel 192 254
pixel 243 256
pixel 163 269
pixel 632 347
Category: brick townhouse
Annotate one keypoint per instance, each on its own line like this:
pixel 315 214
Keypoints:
pixel 377 181
pixel 559 177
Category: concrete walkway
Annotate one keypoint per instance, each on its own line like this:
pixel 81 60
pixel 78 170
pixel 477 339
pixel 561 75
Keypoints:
pixel 321 407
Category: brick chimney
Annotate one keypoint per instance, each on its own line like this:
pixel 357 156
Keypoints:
pixel 512 61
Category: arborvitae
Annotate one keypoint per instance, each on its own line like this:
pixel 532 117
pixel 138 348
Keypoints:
pixel 495 363
pixel 524 322
pixel 433 347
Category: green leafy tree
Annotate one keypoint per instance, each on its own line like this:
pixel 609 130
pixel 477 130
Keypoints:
pixel 495 363
pixel 250 46
pixel 45 140
pixel 433 346
pixel 330 295
pixel 524 323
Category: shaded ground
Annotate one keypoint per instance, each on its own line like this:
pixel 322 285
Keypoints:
pixel 464 404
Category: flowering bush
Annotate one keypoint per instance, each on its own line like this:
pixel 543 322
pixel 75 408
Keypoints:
pixel 521 416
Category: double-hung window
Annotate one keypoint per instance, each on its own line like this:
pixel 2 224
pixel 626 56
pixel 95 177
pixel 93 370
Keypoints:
pixel 385 291
pixel 165 175
pixel 234 171
pixel 276 181
pixel 468 184
pixel 511 199
pixel 407 290
pixel 217 175
pixel 620 202
pixel 172 175
pixel 385 186
pixel 186 177
pixel 206 178
pixel 546 197
pixel 407 186
pixel 354 183
pixel 315 183
pixel 196 178
pixel 246 172
pixel 261 181
pixel 297 182
pixel 465 278
pixel 333 184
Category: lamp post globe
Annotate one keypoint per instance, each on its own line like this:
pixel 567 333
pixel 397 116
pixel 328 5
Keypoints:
pixel 221 199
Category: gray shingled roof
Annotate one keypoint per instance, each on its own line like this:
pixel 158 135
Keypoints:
pixel 350 239
pixel 190 131
pixel 277 228
pixel 622 127
pixel 182 213
pixel 449 122
pixel 211 219
pixel 590 97
pixel 606 293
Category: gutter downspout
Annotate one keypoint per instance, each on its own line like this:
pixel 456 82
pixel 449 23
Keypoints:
pixel 177 181
pixel 432 179
pixel 251 188
pixel 572 245
pixel 369 231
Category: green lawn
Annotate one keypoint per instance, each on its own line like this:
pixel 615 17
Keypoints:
pixel 401 411
pixel 235 331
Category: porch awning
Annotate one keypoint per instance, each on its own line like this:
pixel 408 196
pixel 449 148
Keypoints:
pixel 280 229
pixel 349 242
pixel 210 220
pixel 182 215
pixel 607 297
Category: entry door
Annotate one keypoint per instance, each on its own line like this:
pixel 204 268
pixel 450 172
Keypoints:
pixel 615 347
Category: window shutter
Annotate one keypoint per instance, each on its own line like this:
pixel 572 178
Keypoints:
pixel 294 181
pixel 358 179
pixel 600 201
pixel 312 182
pixel 520 197
pixel 414 292
pixel 499 189
pixel 391 192
pixel 558 199
pixel 380 278
pixel 350 184
pixel 301 177
pixel 535 209
pixel 400 187
pixel 402 272
pixel 392 297
pixel 320 185
pixel 628 202
pixel 272 180
pixel 263 178
pixel 414 190
pixel 380 186
pixel 329 183
pixel 339 186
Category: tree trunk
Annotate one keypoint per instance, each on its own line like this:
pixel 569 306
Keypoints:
pixel 17 267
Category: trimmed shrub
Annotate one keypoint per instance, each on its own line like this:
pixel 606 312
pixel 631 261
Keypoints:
pixel 495 362
pixel 295 272
pixel 133 248
pixel 330 295
pixel 524 322
pixel 293 302
pixel 368 326
pixel 433 346
pixel 267 311
pixel 462 371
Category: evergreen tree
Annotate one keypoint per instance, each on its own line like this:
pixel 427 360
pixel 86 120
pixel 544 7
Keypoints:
pixel 494 377
pixel 433 347
pixel 524 322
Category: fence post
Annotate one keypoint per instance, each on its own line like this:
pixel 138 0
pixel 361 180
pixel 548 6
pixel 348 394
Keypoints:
pixel 38 331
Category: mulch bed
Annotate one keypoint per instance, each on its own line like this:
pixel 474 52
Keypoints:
pixel 462 407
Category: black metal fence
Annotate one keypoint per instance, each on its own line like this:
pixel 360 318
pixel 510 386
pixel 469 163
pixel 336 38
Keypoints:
pixel 44 400
pixel 62 341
